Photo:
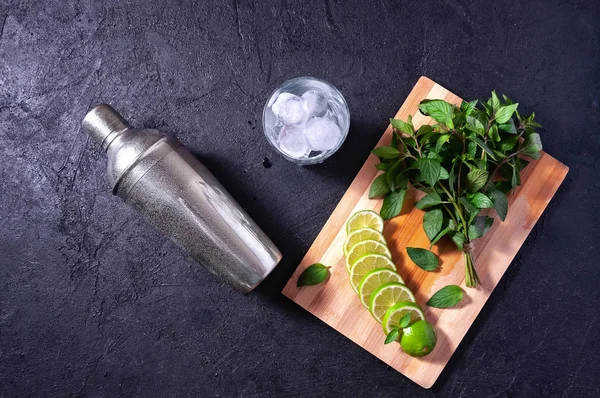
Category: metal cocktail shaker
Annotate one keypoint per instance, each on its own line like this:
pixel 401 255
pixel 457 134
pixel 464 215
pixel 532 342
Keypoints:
pixel 156 175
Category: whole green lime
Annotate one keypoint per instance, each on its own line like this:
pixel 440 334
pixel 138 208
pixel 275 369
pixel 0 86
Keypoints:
pixel 418 339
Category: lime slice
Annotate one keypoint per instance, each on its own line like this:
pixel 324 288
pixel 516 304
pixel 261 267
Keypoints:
pixel 363 248
pixel 366 264
pixel 388 295
pixel 364 219
pixel 360 235
pixel 419 339
pixel 392 317
pixel 373 280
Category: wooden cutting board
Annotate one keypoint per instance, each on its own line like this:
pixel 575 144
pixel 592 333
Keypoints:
pixel 335 302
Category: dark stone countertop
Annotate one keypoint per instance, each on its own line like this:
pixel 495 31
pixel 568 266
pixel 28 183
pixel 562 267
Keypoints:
pixel 95 303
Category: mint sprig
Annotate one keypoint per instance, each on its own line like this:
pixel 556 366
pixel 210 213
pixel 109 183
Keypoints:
pixel 395 332
pixel 469 160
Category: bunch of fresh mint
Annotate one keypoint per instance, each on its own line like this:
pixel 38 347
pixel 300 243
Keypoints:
pixel 465 163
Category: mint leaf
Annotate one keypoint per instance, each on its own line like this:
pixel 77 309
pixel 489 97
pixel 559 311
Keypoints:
pixel 438 110
pixel 424 130
pixel 509 143
pixel 475 125
pixel 471 148
pixel 446 297
pixel 386 152
pixel 493 133
pixel 396 140
pixel 452 178
pixel 402 181
pixel 504 113
pixel 444 174
pixel 402 126
pixel 459 240
pixel 432 222
pixel 479 227
pixel 430 169
pixel 434 156
pixel 392 204
pixel 379 187
pixel 532 146
pixel 392 336
pixel 509 127
pixel 468 107
pixel 423 258
pixel 431 199
pixel 443 232
pixel 442 139
pixel 404 321
pixel 483 146
pixel 469 207
pixel 494 101
pixel 500 202
pixel 476 179
pixel 429 136
pixel 313 275
pixel 481 201
pixel 515 179
pixel 488 108
pixel 392 173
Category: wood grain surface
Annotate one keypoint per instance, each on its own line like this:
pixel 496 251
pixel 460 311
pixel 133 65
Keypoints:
pixel 335 302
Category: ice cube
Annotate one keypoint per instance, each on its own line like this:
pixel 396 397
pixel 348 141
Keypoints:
pixel 290 109
pixel 293 143
pixel 316 102
pixel 322 134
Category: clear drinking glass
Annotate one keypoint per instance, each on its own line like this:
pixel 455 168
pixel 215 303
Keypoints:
pixel 306 120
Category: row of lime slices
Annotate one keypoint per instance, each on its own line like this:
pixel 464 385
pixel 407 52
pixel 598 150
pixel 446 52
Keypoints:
pixel 373 274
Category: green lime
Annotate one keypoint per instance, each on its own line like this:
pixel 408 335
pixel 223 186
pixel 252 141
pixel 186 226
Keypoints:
pixel 418 339
pixel 360 235
pixel 364 219
pixel 366 264
pixel 373 280
pixel 392 317
pixel 386 296
pixel 363 248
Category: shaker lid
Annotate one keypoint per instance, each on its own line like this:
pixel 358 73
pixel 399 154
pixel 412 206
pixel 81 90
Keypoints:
pixel 101 121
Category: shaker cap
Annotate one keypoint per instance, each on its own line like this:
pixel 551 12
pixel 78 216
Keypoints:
pixel 101 121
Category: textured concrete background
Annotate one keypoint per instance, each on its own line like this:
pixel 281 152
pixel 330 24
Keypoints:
pixel 94 303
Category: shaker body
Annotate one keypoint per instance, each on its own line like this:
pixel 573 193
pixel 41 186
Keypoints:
pixel 157 176
pixel 181 198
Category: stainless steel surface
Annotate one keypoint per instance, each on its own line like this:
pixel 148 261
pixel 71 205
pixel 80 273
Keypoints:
pixel 100 122
pixel 174 192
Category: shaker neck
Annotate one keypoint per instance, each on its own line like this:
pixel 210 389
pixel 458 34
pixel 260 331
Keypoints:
pixel 103 124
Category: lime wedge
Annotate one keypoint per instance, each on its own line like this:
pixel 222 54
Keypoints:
pixel 363 248
pixel 360 235
pixel 388 295
pixel 366 264
pixel 392 317
pixel 364 219
pixel 373 280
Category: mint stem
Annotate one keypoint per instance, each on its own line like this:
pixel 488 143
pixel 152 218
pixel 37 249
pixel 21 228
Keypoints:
pixel 471 277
